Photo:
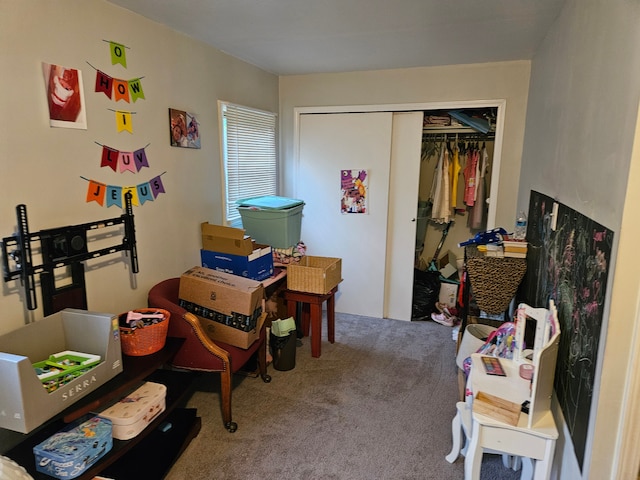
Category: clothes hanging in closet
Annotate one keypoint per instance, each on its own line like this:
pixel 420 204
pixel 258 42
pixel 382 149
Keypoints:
pixel 470 177
pixel 455 174
pixel 441 188
pixel 476 217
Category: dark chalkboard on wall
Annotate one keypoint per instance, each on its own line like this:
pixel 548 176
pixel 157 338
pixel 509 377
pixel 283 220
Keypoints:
pixel 569 264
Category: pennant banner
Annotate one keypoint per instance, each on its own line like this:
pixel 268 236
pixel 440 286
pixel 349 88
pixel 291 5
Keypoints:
pixel 121 90
pixel 109 158
pixel 118 55
pixel 123 161
pixel 96 192
pixel 118 89
pixel 123 121
pixel 143 192
pixel 104 83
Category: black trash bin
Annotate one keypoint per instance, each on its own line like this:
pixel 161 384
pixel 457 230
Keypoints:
pixel 283 350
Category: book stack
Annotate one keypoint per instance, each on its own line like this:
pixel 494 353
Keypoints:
pixel 515 248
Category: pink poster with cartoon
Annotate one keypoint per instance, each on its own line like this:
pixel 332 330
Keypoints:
pixel 354 188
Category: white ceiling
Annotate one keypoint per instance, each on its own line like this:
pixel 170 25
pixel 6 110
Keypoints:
pixel 311 36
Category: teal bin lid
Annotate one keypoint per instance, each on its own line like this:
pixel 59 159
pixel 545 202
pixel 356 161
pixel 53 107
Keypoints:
pixel 269 202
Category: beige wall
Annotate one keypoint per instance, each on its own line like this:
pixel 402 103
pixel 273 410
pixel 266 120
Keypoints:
pixel 494 81
pixel 581 122
pixel 41 166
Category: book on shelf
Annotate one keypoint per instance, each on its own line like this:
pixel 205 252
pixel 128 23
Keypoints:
pixel 515 254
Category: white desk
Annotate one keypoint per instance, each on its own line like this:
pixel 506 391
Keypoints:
pixel 536 443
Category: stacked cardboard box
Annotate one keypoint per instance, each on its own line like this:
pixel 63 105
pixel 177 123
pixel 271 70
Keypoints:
pixel 229 250
pixel 231 306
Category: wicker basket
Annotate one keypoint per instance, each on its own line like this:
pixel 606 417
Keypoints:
pixel 314 274
pixel 137 342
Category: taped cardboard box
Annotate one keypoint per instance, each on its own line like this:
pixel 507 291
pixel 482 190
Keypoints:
pixel 233 336
pixel 25 402
pixel 218 238
pixel 256 266
pixel 211 294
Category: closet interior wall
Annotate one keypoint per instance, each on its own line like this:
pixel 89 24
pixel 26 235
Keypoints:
pixel 459 230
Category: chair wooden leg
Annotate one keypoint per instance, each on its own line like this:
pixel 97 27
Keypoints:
pixel 225 398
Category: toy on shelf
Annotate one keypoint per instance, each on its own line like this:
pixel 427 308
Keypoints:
pixel 63 367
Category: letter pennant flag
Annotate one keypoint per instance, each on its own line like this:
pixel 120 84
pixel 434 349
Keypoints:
pixel 118 55
pixel 117 89
pixel 113 194
pixel 123 161
pixel 123 121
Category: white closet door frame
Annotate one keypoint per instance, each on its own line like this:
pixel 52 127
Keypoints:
pixel 406 271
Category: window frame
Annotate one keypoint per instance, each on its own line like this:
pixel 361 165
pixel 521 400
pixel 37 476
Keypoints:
pixel 266 149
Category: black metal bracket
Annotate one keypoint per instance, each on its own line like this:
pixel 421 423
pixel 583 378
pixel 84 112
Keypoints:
pixel 60 247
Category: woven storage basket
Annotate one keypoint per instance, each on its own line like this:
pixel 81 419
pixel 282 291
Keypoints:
pixel 137 342
pixel 314 274
pixel 494 280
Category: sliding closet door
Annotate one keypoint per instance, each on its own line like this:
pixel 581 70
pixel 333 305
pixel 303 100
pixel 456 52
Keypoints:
pixel 329 143
pixel 404 184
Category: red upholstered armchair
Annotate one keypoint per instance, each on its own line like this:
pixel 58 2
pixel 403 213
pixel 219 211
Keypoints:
pixel 199 351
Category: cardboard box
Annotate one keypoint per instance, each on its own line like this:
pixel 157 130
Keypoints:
pixel 314 274
pixel 448 294
pixel 233 336
pixel 26 404
pixel 218 238
pixel 222 292
pixel 448 264
pixel 256 266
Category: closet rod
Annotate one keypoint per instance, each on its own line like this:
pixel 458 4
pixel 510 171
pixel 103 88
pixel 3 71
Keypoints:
pixel 462 137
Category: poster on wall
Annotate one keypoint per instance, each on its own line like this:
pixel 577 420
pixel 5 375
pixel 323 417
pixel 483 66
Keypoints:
pixel 354 187
pixel 65 96
pixel 184 129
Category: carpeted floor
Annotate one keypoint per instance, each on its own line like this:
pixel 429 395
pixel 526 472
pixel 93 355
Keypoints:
pixel 377 404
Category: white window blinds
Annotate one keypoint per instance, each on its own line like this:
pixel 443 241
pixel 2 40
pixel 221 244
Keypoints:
pixel 249 154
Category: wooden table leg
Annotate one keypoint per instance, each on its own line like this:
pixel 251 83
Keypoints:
pixel 331 318
pixel 316 329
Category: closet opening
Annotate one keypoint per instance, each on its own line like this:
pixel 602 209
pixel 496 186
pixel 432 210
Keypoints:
pixel 453 198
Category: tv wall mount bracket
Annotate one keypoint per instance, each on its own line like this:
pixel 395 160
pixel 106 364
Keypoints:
pixel 60 247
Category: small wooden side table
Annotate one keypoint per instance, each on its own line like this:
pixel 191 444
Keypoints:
pixel 312 315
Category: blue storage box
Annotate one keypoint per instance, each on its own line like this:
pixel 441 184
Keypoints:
pixel 71 451
pixel 272 220
pixel 257 266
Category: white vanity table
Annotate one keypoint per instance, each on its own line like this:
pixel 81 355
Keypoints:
pixel 534 436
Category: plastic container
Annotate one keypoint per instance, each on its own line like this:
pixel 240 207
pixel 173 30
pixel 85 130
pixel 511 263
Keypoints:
pixel 272 220
pixel 68 453
pixel 137 342
pixel 520 232
pixel 283 350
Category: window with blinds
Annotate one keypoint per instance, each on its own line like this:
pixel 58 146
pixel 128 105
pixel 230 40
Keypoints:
pixel 249 155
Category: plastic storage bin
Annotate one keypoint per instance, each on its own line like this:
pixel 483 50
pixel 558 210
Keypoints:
pixel 272 220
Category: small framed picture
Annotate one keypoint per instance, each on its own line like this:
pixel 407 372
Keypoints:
pixel 184 129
